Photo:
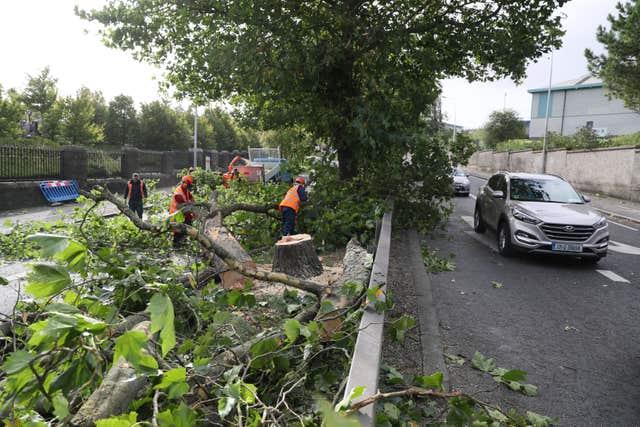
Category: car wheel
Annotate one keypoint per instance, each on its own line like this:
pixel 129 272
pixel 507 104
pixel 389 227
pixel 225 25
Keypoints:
pixel 478 223
pixel 504 240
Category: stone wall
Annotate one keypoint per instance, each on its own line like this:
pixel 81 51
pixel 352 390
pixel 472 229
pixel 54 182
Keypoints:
pixel 611 171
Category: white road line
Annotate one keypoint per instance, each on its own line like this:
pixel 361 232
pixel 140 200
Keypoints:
pixel 474 198
pixel 612 276
pixel 623 248
pixel 622 225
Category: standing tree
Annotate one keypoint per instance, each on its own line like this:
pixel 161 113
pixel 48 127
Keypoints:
pixel 11 111
pixel 41 91
pixel 620 69
pixel 357 74
pixel 78 126
pixel 503 125
pixel 163 128
pixel 122 125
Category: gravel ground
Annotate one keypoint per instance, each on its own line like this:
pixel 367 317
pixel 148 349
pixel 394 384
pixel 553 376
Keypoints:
pixel 405 357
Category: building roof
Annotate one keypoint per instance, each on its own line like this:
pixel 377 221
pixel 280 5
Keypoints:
pixel 583 82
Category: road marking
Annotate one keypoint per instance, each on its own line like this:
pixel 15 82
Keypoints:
pixel 468 220
pixel 472 196
pixel 622 225
pixel 623 248
pixel 612 276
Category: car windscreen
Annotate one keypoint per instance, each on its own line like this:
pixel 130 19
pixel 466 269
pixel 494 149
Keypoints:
pixel 543 190
pixel 459 172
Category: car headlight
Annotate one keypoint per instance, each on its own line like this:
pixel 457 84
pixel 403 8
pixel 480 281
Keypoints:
pixel 601 223
pixel 524 217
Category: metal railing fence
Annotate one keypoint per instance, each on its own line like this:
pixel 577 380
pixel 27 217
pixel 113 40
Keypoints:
pixel 29 163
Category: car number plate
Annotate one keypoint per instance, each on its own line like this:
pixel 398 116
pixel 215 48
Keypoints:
pixel 566 247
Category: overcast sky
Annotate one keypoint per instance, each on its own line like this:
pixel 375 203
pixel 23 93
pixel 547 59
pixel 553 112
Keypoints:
pixel 37 33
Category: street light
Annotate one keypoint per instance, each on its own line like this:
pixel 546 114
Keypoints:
pixel 195 136
pixel 546 120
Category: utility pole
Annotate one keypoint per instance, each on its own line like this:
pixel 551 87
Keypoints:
pixel 546 120
pixel 504 103
pixel 454 123
pixel 195 136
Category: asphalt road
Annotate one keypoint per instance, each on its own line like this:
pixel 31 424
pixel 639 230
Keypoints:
pixel 573 327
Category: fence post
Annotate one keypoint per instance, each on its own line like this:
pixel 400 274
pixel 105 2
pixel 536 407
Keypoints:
pixel 74 164
pixel 130 161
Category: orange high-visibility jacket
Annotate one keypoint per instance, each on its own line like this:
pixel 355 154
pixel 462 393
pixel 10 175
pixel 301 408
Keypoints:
pixel 291 199
pixel 130 185
pixel 183 196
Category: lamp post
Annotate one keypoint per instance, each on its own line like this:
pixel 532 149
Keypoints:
pixel 195 136
pixel 546 120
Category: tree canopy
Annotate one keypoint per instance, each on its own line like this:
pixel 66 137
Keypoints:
pixel 502 126
pixel 41 91
pixel 619 68
pixel 355 73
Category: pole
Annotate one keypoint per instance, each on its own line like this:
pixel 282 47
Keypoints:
pixel 195 137
pixel 454 123
pixel 546 120
pixel 504 103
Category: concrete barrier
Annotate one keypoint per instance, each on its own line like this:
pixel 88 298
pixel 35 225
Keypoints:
pixel 611 171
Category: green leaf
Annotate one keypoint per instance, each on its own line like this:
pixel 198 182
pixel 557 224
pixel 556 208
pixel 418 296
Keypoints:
pixel 482 363
pixel 332 418
pixel 344 403
pixel 174 383
pixel 391 411
pixel 538 420
pixel 225 405
pixel 292 330
pixel 529 389
pixel 3 281
pixel 399 327
pixel 46 280
pixel 60 406
pixel 17 361
pixel 132 346
pixel 514 375
pixel 248 393
pixel 433 381
pixel 182 416
pixel 127 420
pixel 161 310
pixel 50 244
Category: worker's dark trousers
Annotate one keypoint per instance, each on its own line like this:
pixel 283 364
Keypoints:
pixel 289 218
pixel 136 206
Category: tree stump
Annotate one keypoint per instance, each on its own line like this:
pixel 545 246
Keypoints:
pixel 295 255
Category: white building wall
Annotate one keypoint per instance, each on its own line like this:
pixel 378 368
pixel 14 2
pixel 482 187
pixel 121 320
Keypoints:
pixel 582 106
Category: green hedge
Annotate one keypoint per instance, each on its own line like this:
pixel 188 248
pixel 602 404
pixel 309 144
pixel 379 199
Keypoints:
pixel 568 142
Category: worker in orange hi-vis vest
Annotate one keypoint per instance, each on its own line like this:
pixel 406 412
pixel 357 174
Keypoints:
pixel 181 196
pixel 290 206
pixel 135 193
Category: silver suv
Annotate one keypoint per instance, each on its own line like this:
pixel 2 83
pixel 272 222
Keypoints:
pixel 540 214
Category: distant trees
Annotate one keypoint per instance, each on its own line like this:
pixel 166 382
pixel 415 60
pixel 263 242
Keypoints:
pixel 503 125
pixel 122 127
pixel 86 119
pixel 619 68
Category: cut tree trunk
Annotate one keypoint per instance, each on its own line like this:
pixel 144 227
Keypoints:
pixel 119 388
pixel 295 255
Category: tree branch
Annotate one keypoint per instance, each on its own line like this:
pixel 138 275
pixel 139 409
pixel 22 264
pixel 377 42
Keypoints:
pixel 209 244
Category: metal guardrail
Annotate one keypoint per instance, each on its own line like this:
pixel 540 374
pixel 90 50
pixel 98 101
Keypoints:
pixel 365 364
pixel 29 163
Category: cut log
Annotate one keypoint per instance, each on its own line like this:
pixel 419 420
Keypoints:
pixel 119 388
pixel 295 255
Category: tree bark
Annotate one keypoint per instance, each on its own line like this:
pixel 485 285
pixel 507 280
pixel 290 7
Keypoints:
pixel 119 388
pixel 295 255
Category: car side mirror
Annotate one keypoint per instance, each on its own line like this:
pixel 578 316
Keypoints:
pixel 497 194
pixel 467 175
pixel 586 198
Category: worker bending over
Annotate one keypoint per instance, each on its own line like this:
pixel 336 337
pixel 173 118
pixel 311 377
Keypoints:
pixel 181 196
pixel 290 206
